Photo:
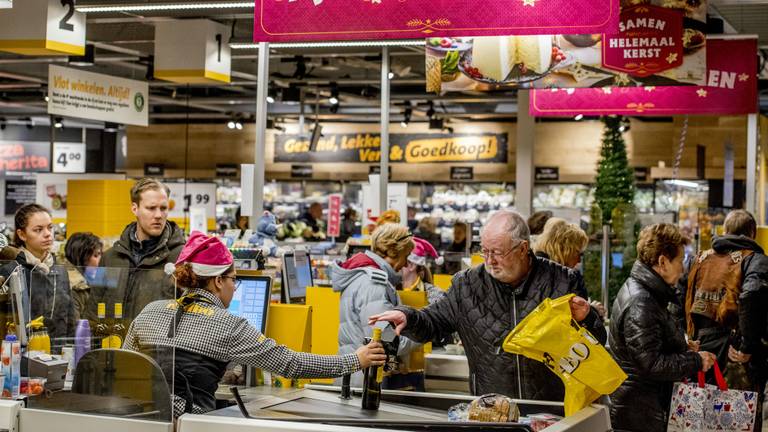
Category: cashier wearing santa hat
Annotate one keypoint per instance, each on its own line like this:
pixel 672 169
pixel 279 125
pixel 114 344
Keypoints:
pixel 206 336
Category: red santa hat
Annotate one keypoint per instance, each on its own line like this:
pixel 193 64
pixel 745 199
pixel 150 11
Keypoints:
pixel 421 251
pixel 207 255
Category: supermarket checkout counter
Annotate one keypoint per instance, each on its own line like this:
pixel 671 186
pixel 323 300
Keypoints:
pixel 305 409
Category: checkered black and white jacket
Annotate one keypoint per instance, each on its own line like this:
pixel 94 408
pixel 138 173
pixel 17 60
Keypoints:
pixel 208 329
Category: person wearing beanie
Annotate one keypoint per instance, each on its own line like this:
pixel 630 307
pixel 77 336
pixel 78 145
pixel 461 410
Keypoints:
pixel 195 337
pixel 416 274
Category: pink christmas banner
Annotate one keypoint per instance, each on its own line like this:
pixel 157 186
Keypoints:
pixel 731 90
pixel 327 20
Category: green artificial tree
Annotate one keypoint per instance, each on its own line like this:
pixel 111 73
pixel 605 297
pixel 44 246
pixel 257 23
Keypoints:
pixel 614 196
pixel 615 178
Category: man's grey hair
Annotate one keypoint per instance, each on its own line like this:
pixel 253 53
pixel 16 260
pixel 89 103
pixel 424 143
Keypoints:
pixel 513 223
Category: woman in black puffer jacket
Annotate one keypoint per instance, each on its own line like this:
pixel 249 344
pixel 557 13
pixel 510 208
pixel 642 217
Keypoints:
pixel 644 339
pixel 47 292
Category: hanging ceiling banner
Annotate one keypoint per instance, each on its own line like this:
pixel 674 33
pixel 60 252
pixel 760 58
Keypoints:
pixel 404 148
pixel 88 95
pixel 658 43
pixel 731 90
pixel 323 20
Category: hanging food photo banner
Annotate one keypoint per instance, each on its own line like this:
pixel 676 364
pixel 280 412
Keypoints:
pixel 407 148
pixel 323 20
pixel 731 90
pixel 658 43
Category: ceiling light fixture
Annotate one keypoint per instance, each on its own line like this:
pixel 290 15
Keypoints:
pixel 149 7
pixel 406 116
pixel 391 75
pixel 349 44
pixel 334 99
pixel 87 59
pixel 271 95
pixel 238 125
pixel 579 117
pixel 58 123
pixel 231 124
pixel 683 183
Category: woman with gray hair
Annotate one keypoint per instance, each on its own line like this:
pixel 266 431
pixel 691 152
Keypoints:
pixel 367 282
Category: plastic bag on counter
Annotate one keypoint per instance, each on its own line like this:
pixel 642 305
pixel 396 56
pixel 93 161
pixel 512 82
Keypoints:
pixel 490 408
pixel 550 335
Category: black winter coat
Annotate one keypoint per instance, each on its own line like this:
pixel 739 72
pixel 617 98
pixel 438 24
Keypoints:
pixel 650 348
pixel 134 273
pixel 483 311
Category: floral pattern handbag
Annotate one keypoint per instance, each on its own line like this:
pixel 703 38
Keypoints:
pixel 707 408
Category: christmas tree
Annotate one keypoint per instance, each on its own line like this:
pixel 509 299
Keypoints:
pixel 615 178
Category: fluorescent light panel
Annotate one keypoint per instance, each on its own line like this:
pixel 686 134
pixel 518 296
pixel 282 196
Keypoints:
pixel 150 7
pixel 372 43
pixel 683 183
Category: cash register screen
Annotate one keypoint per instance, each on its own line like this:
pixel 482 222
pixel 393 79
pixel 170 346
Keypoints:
pixel 251 300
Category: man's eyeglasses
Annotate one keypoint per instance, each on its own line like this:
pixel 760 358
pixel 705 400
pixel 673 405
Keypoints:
pixel 490 254
pixel 235 280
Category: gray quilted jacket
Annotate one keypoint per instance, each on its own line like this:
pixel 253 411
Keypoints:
pixel 365 291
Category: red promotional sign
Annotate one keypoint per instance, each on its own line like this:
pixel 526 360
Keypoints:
pixel 26 156
pixel 323 20
pixel 650 40
pixel 731 90
pixel 334 215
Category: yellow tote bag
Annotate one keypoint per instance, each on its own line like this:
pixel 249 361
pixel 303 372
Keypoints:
pixel 550 335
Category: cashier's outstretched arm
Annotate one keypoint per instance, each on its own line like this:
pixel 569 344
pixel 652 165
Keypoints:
pixel 249 346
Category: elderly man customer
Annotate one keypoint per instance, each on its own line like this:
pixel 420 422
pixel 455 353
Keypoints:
pixel 484 303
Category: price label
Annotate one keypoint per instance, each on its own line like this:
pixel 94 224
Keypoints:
pixel 196 195
pixel 68 157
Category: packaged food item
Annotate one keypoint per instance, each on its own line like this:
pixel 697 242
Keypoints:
pixel 494 408
pixel 459 412
pixel 32 386
pixel 539 422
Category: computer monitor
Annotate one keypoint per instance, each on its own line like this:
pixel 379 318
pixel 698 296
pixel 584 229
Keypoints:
pixel 251 300
pixel 297 276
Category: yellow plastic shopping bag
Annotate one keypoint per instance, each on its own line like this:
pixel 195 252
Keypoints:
pixel 550 335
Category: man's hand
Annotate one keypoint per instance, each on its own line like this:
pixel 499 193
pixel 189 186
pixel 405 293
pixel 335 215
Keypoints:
pixel 579 308
pixel 395 317
pixel 694 345
pixel 371 355
pixel 737 356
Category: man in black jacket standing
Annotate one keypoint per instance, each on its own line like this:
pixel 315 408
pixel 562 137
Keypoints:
pixel 727 297
pixel 135 263
pixel 485 303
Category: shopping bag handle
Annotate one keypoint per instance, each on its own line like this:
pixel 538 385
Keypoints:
pixel 721 384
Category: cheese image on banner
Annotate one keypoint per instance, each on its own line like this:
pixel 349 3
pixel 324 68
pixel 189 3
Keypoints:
pixel 77 93
pixel 43 27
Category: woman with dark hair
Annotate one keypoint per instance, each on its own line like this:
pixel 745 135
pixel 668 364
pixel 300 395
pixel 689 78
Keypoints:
pixel 193 338
pixel 47 291
pixel 83 252
pixel 645 340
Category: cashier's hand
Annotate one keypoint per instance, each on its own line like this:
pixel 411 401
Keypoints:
pixel 579 308
pixel 371 355
pixel 395 317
